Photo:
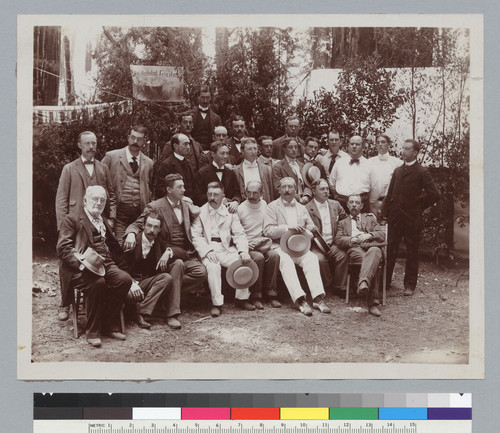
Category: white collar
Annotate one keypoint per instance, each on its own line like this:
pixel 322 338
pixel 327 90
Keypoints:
pixel 172 203
pixel 217 167
pixel 290 161
pixel 411 163
pixel 91 218
pixel 146 241
pixel 179 157
pixel 83 159
pixel 250 164
pixel 284 203
pixel 318 204
pixel 129 155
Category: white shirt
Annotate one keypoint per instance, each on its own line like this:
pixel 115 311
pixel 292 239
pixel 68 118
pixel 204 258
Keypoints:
pixel 326 222
pixel 146 246
pixel 354 226
pixel 89 167
pixel 218 173
pixel 326 159
pixel 351 178
pixel 203 114
pixel 130 156
pixel 290 212
pixel 98 223
pixel 383 167
pixel 177 210
pixel 250 171
pixel 295 167
pixel 215 217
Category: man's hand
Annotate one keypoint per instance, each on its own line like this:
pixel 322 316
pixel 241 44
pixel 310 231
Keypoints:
pixel 111 222
pixel 212 257
pixel 252 243
pixel 309 233
pixel 245 257
pixel 355 241
pixel 163 262
pixel 187 199
pixel 298 228
pixel 232 206
pixel 322 151
pixel 364 237
pixel 304 199
pixel 129 242
pixel 136 292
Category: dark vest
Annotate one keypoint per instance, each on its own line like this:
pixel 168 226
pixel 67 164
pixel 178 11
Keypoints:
pixel 91 180
pixel 202 131
pixel 178 234
pixel 143 267
pixel 99 244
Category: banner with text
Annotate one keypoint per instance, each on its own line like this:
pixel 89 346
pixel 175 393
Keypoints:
pixel 158 83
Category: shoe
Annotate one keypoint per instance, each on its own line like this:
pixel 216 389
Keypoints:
pixel 257 304
pixel 321 306
pixel 363 288
pixel 374 311
pixel 94 342
pixel 215 311
pixel 305 308
pixel 117 335
pixel 275 303
pixel 141 322
pixel 408 292
pixel 244 305
pixel 63 313
pixel 174 323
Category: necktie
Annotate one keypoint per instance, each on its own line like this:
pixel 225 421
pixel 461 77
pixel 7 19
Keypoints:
pixel 358 222
pixel 99 226
pixel 88 162
pixel 354 161
pixel 204 110
pixel 331 163
pixel 134 165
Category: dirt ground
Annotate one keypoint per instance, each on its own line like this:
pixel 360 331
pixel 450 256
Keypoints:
pixel 430 327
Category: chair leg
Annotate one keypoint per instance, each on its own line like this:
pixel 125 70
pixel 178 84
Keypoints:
pixel 74 313
pixel 348 289
pixel 384 282
pixel 122 319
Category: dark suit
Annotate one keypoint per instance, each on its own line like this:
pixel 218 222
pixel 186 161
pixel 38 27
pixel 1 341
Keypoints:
pixel 234 154
pixel 410 192
pixel 278 146
pixel 268 193
pixel 193 157
pixel 76 234
pixel 208 174
pixel 194 271
pixel 173 165
pixel 282 169
pixel 73 183
pixel 337 257
pixel 213 121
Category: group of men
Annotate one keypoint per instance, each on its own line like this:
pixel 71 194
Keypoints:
pixel 135 230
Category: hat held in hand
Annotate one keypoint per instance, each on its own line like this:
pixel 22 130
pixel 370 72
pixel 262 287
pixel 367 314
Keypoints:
pixel 310 173
pixel 241 275
pixel 92 261
pixel 294 243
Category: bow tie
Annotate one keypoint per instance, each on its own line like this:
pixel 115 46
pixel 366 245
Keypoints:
pixel 218 170
pixel 176 206
pixel 204 110
pixel 292 204
pixel 88 162
pixel 354 161
pixel 355 218
pixel 250 164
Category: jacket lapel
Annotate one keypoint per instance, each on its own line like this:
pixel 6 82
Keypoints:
pixel 87 225
pixel 317 216
pixel 186 219
pixel 205 221
pixel 289 170
pixel 82 171
pixel 138 247
pixel 124 162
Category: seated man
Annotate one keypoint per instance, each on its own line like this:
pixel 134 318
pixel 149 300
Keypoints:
pixel 285 214
pixel 326 214
pixel 251 213
pixel 175 215
pixel 141 263
pixel 360 235
pixel 104 295
pixel 220 240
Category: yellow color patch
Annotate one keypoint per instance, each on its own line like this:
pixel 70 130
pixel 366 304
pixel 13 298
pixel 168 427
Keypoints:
pixel 304 413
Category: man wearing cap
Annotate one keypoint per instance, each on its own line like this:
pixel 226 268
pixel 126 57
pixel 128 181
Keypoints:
pixel 251 170
pixel 326 214
pixel 176 163
pixel 218 172
pixel 105 292
pixel 176 216
pixel 332 155
pixel 131 172
pixel 75 177
pixel 204 119
pixel 238 132
pixel 361 236
pixel 283 217
pixel 220 240
pixel 292 130
pixel 251 213
pixel 266 151
pixel 289 166
pixel 353 175
pixel 141 263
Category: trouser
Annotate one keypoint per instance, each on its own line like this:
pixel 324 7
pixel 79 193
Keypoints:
pixel 268 264
pixel 309 264
pixel 370 262
pixel 153 288
pixel 125 215
pixel 333 268
pixel 225 258
pixel 195 274
pixel 411 236
pixel 104 297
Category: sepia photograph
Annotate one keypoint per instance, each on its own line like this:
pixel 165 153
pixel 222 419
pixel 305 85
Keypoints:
pixel 285 197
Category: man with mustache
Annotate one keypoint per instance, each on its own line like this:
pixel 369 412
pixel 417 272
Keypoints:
pixel 76 176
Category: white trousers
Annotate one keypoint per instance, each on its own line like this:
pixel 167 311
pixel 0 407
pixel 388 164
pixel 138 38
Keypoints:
pixel 310 265
pixel 226 258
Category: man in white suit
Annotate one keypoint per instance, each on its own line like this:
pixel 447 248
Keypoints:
pixel 285 214
pixel 220 240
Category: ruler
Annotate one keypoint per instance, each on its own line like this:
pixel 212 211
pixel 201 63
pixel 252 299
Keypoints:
pixel 247 426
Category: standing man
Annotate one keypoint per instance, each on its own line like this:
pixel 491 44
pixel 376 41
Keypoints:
pixel 411 191
pixel 284 214
pixel 141 262
pixel 204 119
pixel 332 155
pixel 311 150
pixel 251 213
pixel 292 129
pixel 383 167
pixel 176 216
pixel 266 151
pixel 352 175
pixel 218 172
pixel 105 291
pixel 251 170
pixel 326 215
pixel 358 234
pixel 220 240
pixel 238 131
pixel 176 163
pixel 131 172
pixel 290 167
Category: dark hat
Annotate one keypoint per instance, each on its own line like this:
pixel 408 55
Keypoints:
pixel 242 276
pixel 92 261
pixel 294 243
pixel 310 173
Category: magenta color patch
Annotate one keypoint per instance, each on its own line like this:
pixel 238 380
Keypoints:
pixel 206 413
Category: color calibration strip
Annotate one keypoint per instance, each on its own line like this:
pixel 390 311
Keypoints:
pixel 250 407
